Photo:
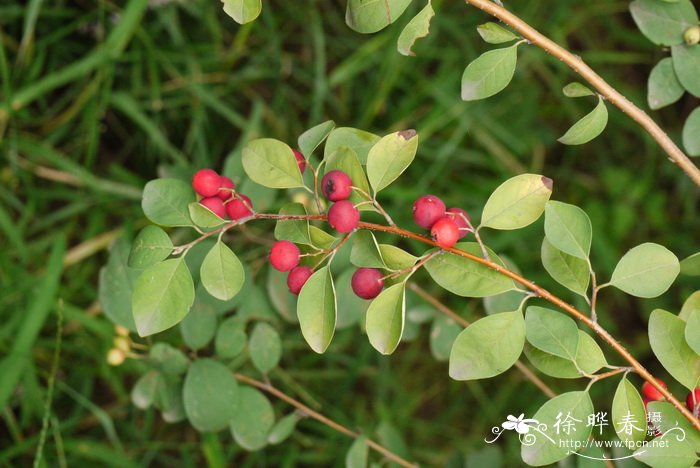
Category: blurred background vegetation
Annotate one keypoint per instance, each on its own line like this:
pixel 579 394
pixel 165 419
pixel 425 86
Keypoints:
pixel 102 102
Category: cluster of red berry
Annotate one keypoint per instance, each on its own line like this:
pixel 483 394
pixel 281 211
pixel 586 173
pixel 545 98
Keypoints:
pixel 446 226
pixel 652 394
pixel 219 195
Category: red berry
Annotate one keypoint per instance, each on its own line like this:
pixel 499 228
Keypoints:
pixel 297 278
pixel 427 210
pixel 225 187
pixel 206 182
pixel 236 209
pixel 445 232
pixel 652 393
pixel 343 216
pixel 461 218
pixel 214 204
pixel 284 255
pixel 693 401
pixel 367 283
pixel 301 160
pixel 336 185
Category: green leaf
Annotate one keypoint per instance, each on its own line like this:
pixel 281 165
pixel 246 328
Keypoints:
pixel 116 285
pixel 203 217
pixel 144 392
pixel 358 453
pixel 169 400
pixel 320 238
pixel 165 202
pixel 557 445
pixel 365 251
pixel 345 159
pixel 568 228
pixel 647 270
pixel 210 395
pixel 690 304
pixel 663 88
pixel 589 358
pixel 576 89
pixel 163 295
pixel 629 416
pixel 489 73
pixel 686 63
pixel 294 230
pixel 465 277
pixel 283 429
pixel 371 16
pixel 670 417
pixel 242 11
pixel 313 137
pixel 151 246
pixel 675 451
pixel 198 327
pixel 690 266
pixel 230 338
pixel 418 27
pixel 222 273
pixel 396 258
pixel 168 360
pixel 589 127
pixel 692 331
pixel 443 333
pixel 691 133
pixel 271 163
pixel 389 157
pixel 316 309
pixel 663 23
pixel 386 317
pixel 357 140
pixel 517 202
pixel 488 347
pixel 253 419
pixel 565 269
pixel 265 347
pixel 552 332
pixel 494 33
pixel 667 340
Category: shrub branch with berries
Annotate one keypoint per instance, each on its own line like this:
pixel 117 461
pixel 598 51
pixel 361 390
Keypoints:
pixel 343 184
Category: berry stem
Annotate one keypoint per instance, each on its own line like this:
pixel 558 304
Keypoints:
pixel 317 199
pixel 484 250
pixel 375 204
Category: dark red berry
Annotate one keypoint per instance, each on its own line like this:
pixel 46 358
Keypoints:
pixel 649 391
pixel 336 185
pixel 206 182
pixel 297 278
pixel 226 186
pixel 427 210
pixel 301 160
pixel 445 232
pixel 693 401
pixel 214 204
pixel 461 218
pixel 236 209
pixel 367 283
pixel 284 255
pixel 343 216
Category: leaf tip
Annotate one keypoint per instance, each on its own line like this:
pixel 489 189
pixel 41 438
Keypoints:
pixel 547 182
pixel 408 134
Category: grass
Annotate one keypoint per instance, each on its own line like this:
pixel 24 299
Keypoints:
pixel 96 98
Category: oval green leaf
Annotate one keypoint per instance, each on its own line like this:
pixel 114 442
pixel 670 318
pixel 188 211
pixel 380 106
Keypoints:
pixel 313 137
pixel 686 63
pixel 253 419
pixel 210 395
pixel 386 317
pixel 488 347
pixel 243 11
pixel 357 140
pixel 692 331
pixel 647 270
pixel 389 157
pixel 567 270
pixel 230 338
pixel 167 359
pixel 222 273
pixel 365 251
pixel 265 347
pixel 116 285
pixel 371 16
pixel 443 333
pixel 165 202
pixel 489 73
pixel 690 266
pixel 552 332
pixel 663 23
pixel 198 327
pixel 589 127
pixel 358 453
pixel 204 217
pixel 293 230
pixel 163 295
pixel 283 429
pixel 667 340
pixel 316 310
pixel 663 88
pixel 494 33
pixel 589 358
pixel 417 28
pixel 271 163
pixel 568 228
pixel 151 246
pixel 629 416
pixel 576 89
pixel 517 202
pixel 691 133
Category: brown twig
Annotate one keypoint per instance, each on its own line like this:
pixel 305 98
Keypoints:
pixel 584 71
pixel 266 387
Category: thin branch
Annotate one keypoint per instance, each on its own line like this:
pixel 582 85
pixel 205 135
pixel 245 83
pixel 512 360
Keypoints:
pixel 266 387
pixel 584 71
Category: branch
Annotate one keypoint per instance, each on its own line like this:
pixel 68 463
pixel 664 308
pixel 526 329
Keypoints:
pixel 322 419
pixel 584 71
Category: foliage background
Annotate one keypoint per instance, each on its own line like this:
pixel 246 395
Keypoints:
pixel 187 92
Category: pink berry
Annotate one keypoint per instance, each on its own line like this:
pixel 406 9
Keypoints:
pixel 343 216
pixel 236 209
pixel 336 186
pixel 445 232
pixel 461 218
pixel 367 283
pixel 284 255
pixel 649 391
pixel 225 187
pixel 206 182
pixel 693 401
pixel 297 278
pixel 427 210
pixel 214 204
pixel 301 160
